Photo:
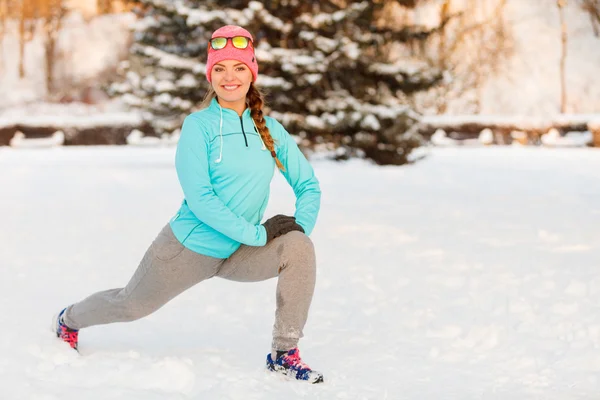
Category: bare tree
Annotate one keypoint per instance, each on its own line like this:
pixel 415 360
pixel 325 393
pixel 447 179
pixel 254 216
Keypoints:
pixel 26 31
pixel 470 48
pixel 563 55
pixel 592 7
pixel 31 15
pixel 52 16
pixel 104 6
pixel 3 17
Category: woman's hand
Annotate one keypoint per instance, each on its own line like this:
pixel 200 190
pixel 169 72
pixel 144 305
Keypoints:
pixel 280 225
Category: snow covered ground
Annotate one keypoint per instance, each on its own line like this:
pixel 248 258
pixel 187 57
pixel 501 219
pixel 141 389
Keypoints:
pixel 472 274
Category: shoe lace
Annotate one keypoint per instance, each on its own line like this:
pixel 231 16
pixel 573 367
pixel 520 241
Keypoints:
pixel 293 359
pixel 69 335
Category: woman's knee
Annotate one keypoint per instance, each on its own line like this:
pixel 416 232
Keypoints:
pixel 297 241
pixel 298 249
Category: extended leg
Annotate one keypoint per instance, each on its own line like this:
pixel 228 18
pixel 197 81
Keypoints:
pixel 166 270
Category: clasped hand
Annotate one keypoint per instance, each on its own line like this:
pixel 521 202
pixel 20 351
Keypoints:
pixel 280 225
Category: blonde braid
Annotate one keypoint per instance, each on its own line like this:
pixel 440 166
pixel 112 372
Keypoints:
pixel 255 101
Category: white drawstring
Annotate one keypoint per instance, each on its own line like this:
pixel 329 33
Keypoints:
pixel 221 136
pixel 218 160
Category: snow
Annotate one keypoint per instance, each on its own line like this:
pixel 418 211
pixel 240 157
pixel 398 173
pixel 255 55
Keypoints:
pixel 548 124
pixel 203 16
pixel 187 81
pixel 163 98
pixel 486 136
pixel 471 274
pixel 133 78
pixel 255 9
pixel 266 81
pixel 497 120
pixel 343 102
pixel 315 122
pixel 167 60
pixel 324 44
pixel 553 138
pixel 312 78
pixel 408 67
pixel 317 21
pixel 352 50
pixel 165 86
pixel 77 115
pixel 132 100
pixel 19 140
pixel 145 23
pixel 268 18
pixel 507 121
pixel 292 58
pixel 370 122
pixel 440 138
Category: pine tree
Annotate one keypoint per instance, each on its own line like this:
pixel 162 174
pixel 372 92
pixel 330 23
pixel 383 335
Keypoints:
pixel 325 65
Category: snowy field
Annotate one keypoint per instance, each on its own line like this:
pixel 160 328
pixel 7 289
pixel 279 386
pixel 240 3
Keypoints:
pixel 470 275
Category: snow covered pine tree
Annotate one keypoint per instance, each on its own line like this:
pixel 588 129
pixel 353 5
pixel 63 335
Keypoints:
pixel 325 66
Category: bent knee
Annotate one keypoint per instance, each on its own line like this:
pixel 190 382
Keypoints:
pixel 298 239
pixel 297 245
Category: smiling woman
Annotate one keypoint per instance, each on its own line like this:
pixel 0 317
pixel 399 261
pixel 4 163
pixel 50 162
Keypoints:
pixel 226 157
pixel 231 81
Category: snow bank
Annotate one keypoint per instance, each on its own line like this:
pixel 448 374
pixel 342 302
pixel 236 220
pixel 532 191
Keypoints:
pixel 506 128
pixel 80 123
pixel 75 115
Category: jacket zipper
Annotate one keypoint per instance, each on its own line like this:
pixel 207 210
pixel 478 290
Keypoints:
pixel 243 132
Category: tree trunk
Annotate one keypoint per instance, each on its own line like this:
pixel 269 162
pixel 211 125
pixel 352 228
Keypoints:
pixel 50 47
pixel 563 56
pixel 443 57
pixel 52 26
pixel 592 7
pixel 104 6
pixel 22 43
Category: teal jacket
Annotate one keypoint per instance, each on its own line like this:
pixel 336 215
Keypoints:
pixel 225 172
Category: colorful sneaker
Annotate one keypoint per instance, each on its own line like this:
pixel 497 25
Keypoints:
pixel 290 364
pixel 65 333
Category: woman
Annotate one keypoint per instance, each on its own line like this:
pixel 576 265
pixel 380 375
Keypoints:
pixel 225 160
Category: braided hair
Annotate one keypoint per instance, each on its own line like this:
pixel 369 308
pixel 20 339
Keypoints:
pixel 254 99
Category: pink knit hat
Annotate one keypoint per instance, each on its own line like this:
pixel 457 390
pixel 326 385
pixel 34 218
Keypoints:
pixel 231 53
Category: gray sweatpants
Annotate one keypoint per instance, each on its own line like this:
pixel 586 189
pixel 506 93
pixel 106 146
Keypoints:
pixel 168 268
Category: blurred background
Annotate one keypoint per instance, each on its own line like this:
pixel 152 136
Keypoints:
pixel 372 79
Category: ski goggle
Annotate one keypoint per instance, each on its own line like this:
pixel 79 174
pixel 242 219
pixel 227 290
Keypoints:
pixel 239 42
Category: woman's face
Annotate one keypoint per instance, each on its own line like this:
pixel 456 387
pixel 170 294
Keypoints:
pixel 231 80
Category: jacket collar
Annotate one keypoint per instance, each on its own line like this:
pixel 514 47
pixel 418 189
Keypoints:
pixel 227 112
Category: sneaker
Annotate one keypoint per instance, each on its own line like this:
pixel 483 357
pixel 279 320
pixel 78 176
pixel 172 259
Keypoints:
pixel 290 364
pixel 65 333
